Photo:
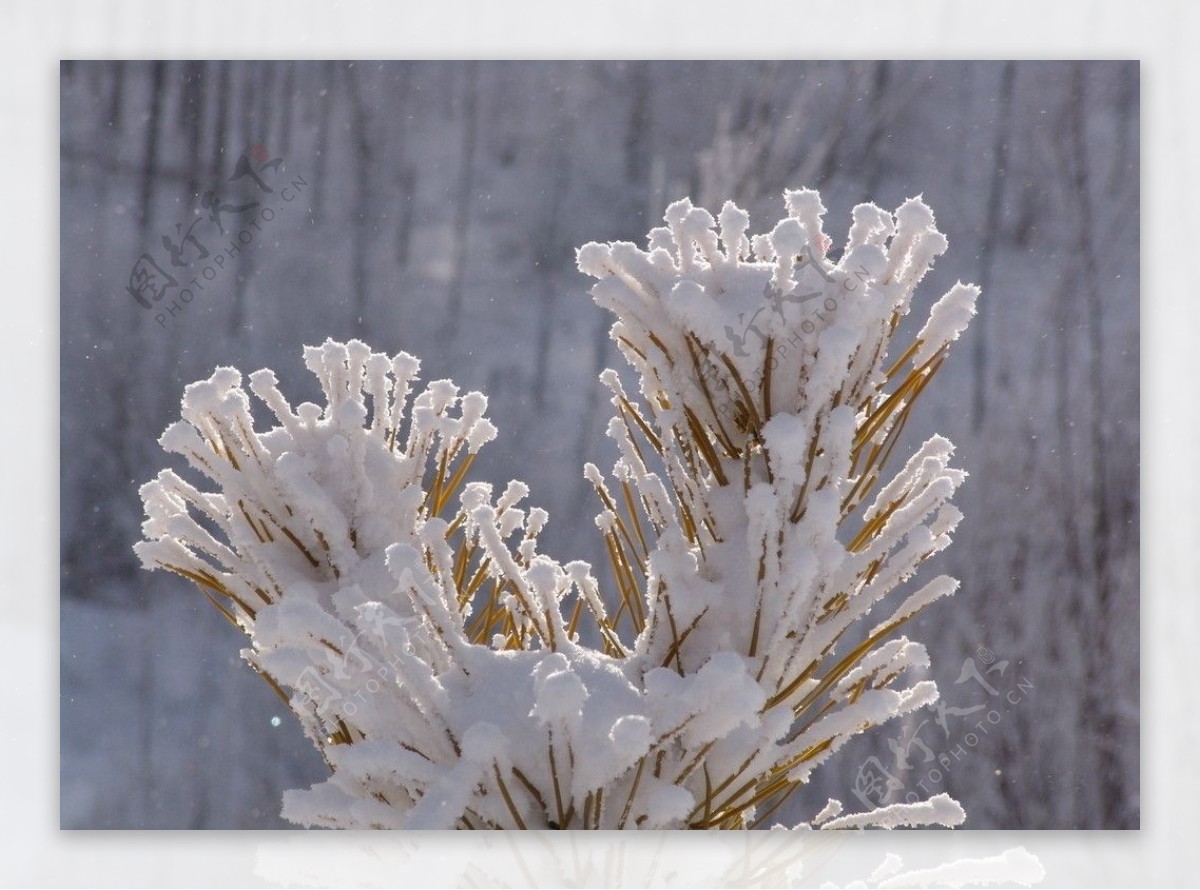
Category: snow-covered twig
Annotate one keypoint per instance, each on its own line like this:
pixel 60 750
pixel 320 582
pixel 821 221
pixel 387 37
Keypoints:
pixel 454 676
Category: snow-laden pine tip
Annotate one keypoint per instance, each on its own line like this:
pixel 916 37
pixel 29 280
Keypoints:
pixel 759 547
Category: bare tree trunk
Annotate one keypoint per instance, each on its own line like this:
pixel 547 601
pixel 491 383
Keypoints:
pixel 243 264
pixel 192 122
pixel 326 82
pixel 460 231
pixel 406 170
pixel 363 212
pixel 150 156
pixel 146 679
pixel 221 125
pixel 406 213
pixel 1099 708
pixel 247 106
pixel 116 97
pixel 549 249
pixel 991 235
pixel 264 128
pixel 286 100
pixel 637 158
pixel 1070 609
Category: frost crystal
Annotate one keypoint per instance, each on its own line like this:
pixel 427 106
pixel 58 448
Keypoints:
pixel 453 676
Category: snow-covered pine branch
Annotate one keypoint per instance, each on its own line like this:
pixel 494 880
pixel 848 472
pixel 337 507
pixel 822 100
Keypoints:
pixel 452 676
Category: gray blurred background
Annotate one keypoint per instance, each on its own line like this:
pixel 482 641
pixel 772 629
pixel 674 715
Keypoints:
pixel 435 208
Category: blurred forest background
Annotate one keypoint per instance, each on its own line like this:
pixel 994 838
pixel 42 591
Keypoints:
pixel 435 207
